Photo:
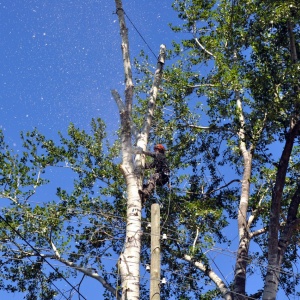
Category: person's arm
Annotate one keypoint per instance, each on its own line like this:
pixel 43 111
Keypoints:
pixel 150 165
pixel 148 153
pixel 139 150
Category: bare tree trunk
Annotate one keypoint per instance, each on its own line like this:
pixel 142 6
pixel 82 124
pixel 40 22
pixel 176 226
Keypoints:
pixel 244 239
pixel 142 139
pixel 129 261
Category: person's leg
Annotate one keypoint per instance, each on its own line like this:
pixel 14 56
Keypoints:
pixel 148 188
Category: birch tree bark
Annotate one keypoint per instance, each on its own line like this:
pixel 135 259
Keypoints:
pixel 244 240
pixel 129 261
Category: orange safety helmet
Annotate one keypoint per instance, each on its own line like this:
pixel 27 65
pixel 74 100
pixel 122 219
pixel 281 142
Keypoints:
pixel 160 148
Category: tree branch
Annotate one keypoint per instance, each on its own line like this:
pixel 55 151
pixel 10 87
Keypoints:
pixel 91 273
pixel 152 99
pixel 86 271
pixel 208 128
pixel 203 48
pixel 277 246
pixel 223 186
pixel 204 85
pixel 257 232
pixel 196 238
pixel 256 211
pixel 293 49
pixel 211 128
pixel 118 100
pixel 126 57
pixel 122 110
pixel 212 275
pixel 3 195
pixel 291 223
pixel 196 39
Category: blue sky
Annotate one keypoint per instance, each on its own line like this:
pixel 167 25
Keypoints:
pixel 60 59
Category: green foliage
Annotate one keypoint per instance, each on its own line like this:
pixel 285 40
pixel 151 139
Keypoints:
pixel 77 221
pixel 228 49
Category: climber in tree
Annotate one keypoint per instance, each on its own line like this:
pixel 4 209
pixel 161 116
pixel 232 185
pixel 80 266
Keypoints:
pixel 161 174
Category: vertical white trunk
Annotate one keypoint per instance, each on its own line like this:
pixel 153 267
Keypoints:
pixel 129 261
pixel 244 240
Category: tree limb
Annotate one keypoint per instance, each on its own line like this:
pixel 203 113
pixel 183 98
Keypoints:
pixel 203 48
pixel 204 85
pixel 211 128
pixel 3 195
pixel 196 39
pixel 223 186
pixel 126 57
pixel 291 223
pixel 258 232
pixel 256 211
pixel 212 275
pixel 86 271
pixel 152 99
pixel 196 238
pixel 118 100
pixel 122 110
pixel 91 273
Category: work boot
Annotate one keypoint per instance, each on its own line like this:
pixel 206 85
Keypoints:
pixel 146 192
pixel 148 189
pixel 143 197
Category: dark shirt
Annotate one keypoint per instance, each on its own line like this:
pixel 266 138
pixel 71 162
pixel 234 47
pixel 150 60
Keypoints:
pixel 159 163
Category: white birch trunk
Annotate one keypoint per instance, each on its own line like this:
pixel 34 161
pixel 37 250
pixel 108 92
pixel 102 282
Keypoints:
pixel 129 261
pixel 244 239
